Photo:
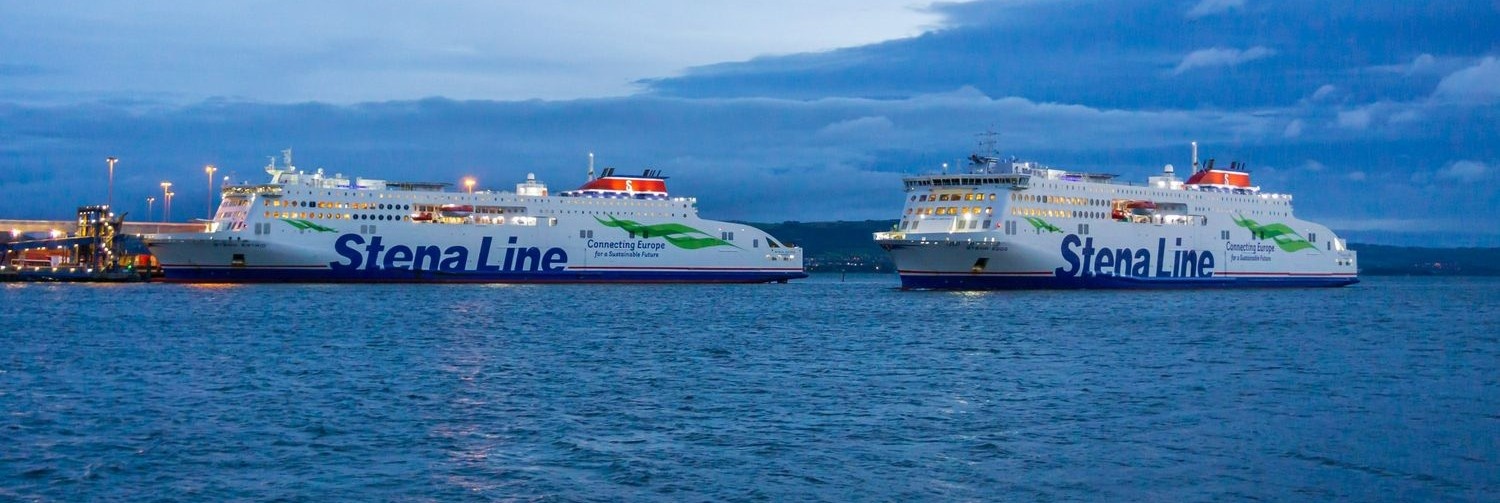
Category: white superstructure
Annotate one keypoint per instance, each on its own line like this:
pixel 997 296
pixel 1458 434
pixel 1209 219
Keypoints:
pixel 309 226
pixel 1022 225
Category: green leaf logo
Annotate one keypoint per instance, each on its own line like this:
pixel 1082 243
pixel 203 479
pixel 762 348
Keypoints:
pixel 1042 225
pixel 306 225
pixel 1284 237
pixel 678 235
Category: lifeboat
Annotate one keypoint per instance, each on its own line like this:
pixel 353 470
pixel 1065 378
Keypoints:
pixel 1125 209
pixel 1140 209
pixel 456 210
pixel 421 217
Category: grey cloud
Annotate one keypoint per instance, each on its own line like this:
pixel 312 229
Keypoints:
pixel 745 158
pixel 1221 56
pixel 1478 84
pixel 1211 7
pixel 786 141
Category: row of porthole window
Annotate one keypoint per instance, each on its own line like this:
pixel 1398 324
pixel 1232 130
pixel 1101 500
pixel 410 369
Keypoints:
pixel 1077 201
pixel 950 210
pixel 1035 212
pixel 950 197
pixel 333 205
pixel 334 216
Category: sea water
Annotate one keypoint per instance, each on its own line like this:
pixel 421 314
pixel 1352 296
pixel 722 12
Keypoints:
pixel 835 388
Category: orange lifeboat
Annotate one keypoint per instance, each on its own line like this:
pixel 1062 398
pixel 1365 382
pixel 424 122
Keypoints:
pixel 456 210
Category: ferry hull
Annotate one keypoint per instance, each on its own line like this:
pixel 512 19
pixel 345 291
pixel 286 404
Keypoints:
pixel 311 259
pixel 961 281
pixel 325 275
pixel 988 261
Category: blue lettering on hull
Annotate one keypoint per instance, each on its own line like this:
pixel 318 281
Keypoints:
pixel 370 259
pixel 967 282
pixel 1086 261
pixel 359 254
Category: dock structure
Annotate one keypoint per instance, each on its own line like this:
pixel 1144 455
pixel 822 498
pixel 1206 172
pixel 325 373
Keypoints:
pixel 131 228
pixel 99 246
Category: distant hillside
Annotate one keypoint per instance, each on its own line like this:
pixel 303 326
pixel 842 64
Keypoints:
pixel 836 246
pixel 1381 260
pixel 848 246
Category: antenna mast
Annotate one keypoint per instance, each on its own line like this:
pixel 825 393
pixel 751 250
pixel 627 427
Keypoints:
pixel 591 166
pixel 987 141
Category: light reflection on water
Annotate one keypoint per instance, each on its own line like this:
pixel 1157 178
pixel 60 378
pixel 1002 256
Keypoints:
pixel 833 388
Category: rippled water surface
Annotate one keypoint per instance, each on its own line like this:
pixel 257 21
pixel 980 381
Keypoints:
pixel 825 389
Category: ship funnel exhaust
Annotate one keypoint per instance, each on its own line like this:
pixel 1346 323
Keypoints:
pixel 1195 156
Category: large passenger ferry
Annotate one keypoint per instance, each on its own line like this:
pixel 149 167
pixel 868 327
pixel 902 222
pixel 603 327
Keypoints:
pixel 1011 224
pixel 308 226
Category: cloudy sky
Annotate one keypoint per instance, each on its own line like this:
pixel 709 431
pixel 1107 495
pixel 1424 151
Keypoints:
pixel 1383 117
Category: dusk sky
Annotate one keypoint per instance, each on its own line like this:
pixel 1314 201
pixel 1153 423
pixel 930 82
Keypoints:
pixel 1382 117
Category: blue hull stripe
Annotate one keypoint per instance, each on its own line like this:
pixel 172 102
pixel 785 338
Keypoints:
pixel 296 275
pixel 946 282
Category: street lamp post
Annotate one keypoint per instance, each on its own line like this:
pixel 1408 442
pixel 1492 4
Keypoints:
pixel 149 200
pixel 469 184
pixel 109 197
pixel 210 170
pixel 166 198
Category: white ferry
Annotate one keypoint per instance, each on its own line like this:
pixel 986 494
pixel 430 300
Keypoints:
pixel 306 226
pixel 1005 225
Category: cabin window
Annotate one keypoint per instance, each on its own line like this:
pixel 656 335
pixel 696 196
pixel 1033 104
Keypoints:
pixel 755 243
